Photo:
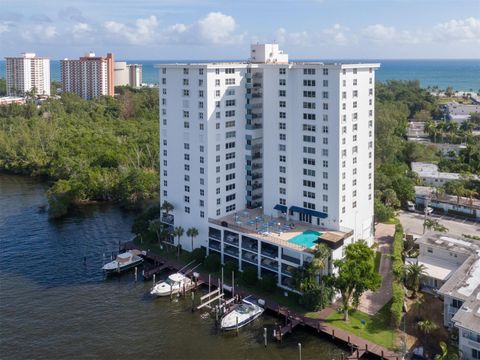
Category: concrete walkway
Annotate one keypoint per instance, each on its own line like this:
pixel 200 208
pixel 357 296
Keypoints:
pixel 372 302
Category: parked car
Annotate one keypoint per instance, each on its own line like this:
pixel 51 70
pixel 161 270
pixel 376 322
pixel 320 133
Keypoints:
pixel 410 206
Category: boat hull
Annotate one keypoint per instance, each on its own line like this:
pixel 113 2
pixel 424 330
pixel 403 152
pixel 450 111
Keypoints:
pixel 242 323
pixel 123 268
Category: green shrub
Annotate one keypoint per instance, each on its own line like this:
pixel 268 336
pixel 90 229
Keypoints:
pixel 212 262
pixel 249 276
pixel 228 268
pixel 396 307
pixel 397 259
pixel 198 255
pixel 268 283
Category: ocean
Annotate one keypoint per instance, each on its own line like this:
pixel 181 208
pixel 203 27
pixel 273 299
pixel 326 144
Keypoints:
pixel 462 75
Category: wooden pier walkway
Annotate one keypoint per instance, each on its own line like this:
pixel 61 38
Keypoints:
pixel 358 346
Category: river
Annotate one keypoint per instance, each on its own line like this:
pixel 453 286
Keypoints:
pixel 55 306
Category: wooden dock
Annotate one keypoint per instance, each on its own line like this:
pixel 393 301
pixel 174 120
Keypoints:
pixel 358 346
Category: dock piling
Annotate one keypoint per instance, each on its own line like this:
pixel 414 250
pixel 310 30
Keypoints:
pixel 193 301
pixel 236 325
pixel 300 351
pixel 153 279
pixel 265 336
pixel 136 273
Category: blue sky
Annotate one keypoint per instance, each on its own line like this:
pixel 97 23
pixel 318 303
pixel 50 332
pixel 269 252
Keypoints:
pixel 214 29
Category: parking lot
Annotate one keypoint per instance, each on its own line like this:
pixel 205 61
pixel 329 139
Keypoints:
pixel 413 223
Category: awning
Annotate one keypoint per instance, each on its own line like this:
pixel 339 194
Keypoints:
pixel 308 212
pixel 281 208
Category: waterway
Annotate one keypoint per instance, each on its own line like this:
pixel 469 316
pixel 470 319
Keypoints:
pixel 55 306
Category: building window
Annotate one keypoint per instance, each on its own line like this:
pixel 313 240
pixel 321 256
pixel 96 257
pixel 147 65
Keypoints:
pixel 282 93
pixel 187 210
pixel 325 71
pixel 282 82
pixel 282 71
pixel 309 71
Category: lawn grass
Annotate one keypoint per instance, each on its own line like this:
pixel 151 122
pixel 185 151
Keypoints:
pixel 378 257
pixel 376 328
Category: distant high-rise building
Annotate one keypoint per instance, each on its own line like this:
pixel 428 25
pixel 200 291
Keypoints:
pixel 28 73
pixel 135 75
pixel 128 74
pixel 90 76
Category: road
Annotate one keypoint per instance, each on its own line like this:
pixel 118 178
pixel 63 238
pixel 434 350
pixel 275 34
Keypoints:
pixel 413 224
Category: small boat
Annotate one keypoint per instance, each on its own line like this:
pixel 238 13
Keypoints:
pixel 242 314
pixel 174 284
pixel 124 261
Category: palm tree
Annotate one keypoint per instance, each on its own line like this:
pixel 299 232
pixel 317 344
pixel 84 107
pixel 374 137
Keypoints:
pixel 413 274
pixel 166 207
pixel 156 228
pixel 192 232
pixel 427 326
pixel 178 232
pixel 446 354
pixel 321 253
pixel 431 224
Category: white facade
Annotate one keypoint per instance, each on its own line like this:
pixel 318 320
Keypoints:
pixel 27 73
pixel 128 74
pixel 294 141
pixel 121 73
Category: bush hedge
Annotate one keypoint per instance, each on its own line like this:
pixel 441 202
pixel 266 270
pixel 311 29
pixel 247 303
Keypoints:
pixel 268 283
pixel 212 262
pixel 198 255
pixel 249 276
pixel 396 307
pixel 397 259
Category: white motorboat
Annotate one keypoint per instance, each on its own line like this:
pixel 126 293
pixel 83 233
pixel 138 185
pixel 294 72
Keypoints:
pixel 174 284
pixel 242 314
pixel 124 261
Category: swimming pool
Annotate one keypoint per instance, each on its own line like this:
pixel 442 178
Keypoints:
pixel 308 238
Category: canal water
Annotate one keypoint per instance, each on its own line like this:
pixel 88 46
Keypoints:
pixel 55 306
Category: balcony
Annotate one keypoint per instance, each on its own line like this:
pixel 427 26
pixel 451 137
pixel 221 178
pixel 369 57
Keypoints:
pixel 230 238
pixel 269 264
pixel 230 250
pixel 257 166
pixel 250 257
pixel 269 250
pixel 168 219
pixel 291 259
pixel 214 245
pixel 257 155
pixel 257 185
pixel 287 269
pixel 215 234
pixel 256 176
pixel 249 244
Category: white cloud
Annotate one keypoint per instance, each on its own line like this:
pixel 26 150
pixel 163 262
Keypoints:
pixel 467 30
pixel 142 32
pixel 40 33
pixel 217 28
pixel 4 27
pixel 338 35
pixel 81 29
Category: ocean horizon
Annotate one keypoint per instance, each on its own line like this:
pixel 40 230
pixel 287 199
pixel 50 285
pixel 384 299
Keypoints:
pixel 457 73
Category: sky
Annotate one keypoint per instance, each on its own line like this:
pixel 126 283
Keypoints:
pixel 224 29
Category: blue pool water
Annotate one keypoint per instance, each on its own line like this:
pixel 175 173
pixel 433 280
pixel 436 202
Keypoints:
pixel 308 238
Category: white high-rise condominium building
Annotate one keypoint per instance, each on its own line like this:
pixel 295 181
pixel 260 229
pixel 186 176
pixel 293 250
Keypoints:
pixel 267 157
pixel 28 73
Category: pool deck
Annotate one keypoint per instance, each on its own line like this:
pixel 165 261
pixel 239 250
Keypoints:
pixel 242 222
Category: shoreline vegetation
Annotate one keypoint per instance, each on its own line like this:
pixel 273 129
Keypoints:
pixel 105 149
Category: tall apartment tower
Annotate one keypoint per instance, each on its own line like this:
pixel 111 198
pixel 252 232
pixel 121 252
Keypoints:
pixel 27 73
pixel 90 76
pixel 128 74
pixel 267 158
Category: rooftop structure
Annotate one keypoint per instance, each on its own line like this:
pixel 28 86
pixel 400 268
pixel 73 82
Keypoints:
pixel 453 267
pixel 460 112
pixel 431 176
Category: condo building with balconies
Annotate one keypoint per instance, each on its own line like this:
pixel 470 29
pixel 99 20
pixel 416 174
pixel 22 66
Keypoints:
pixel 268 157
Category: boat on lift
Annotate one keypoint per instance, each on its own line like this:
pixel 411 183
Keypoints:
pixel 242 313
pixel 174 284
